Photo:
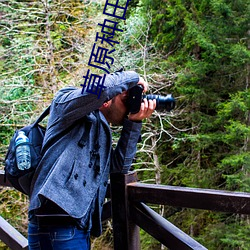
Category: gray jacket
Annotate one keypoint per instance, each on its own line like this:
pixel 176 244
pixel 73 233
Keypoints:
pixel 67 174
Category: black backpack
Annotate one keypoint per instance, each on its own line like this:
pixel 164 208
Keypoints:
pixel 21 179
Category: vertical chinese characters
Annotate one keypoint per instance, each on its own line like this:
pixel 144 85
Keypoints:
pixel 101 57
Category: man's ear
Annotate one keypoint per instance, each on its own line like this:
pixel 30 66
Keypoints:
pixel 104 109
pixel 105 104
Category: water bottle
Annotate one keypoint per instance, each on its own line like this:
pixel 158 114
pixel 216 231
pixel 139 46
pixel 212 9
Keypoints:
pixel 23 156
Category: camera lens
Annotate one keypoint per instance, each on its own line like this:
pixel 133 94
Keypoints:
pixel 162 102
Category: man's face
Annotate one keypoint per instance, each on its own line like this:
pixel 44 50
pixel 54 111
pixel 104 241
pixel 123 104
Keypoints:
pixel 117 109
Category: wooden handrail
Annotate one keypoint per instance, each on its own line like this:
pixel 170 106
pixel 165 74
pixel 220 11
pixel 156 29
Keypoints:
pixel 3 181
pixel 208 199
pixel 134 194
pixel 129 212
pixel 11 237
pixel 161 229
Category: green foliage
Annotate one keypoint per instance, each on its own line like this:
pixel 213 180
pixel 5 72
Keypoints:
pixel 14 208
pixel 43 46
pixel 222 235
pixel 205 43
pixel 197 50
pixel 148 242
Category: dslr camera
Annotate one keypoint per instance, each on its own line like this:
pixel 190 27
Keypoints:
pixel 135 97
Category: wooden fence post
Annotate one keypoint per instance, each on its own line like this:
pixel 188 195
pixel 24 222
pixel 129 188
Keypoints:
pixel 125 231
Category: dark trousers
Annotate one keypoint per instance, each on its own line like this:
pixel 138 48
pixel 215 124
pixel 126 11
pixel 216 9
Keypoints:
pixel 45 237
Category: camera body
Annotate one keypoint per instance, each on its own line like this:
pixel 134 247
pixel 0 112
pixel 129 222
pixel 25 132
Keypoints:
pixel 135 97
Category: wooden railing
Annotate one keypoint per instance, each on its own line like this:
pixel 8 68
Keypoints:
pixel 8 234
pixel 129 212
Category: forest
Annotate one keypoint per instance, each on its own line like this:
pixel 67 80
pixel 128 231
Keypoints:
pixel 196 50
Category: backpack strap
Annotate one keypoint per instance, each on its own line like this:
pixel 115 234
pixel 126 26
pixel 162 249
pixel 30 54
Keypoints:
pixel 43 115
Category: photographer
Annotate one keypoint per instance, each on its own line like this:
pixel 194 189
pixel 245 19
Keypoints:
pixel 70 185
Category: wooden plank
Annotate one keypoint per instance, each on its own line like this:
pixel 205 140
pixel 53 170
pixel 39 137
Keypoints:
pixel 2 181
pixel 11 237
pixel 161 229
pixel 208 199
pixel 106 212
pixel 125 231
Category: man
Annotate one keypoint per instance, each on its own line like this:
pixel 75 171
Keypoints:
pixel 70 184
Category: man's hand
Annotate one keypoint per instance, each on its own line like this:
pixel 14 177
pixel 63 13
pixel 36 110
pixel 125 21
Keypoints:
pixel 144 84
pixel 147 108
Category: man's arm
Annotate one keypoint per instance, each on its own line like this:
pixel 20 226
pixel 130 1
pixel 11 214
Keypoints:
pixel 126 148
pixel 124 153
pixel 70 104
pixel 73 104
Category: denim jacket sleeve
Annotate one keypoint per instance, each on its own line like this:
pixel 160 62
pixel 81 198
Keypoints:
pixel 123 155
pixel 70 104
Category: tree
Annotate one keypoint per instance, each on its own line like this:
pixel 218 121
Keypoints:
pixel 44 45
pixel 206 44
